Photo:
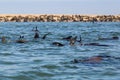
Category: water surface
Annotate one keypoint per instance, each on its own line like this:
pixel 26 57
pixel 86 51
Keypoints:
pixel 40 60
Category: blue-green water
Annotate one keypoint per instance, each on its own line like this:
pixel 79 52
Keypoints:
pixel 40 60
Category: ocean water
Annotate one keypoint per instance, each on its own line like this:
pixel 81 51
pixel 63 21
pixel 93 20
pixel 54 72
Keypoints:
pixel 40 60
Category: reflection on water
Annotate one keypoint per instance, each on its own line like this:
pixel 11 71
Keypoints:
pixel 40 60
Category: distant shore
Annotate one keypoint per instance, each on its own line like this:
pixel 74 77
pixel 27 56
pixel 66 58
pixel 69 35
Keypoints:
pixel 58 18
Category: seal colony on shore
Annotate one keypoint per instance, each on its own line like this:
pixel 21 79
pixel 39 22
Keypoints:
pixel 58 18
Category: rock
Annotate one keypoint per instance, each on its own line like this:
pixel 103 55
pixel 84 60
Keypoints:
pixel 59 18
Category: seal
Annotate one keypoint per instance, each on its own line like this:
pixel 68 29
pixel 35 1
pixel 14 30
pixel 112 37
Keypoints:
pixel 95 44
pixel 67 38
pixel 21 40
pixel 36 35
pixel 73 40
pixel 44 37
pixel 3 39
pixel 96 59
pixel 90 44
pixel 112 38
pixel 36 32
pixel 57 44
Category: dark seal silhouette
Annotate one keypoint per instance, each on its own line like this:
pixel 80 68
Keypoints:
pixel 67 38
pixel 112 38
pixel 36 33
pixel 95 44
pixel 91 44
pixel 57 44
pixel 35 29
pixel 73 41
pixel 96 59
pixel 3 39
pixel 21 40
pixel 44 37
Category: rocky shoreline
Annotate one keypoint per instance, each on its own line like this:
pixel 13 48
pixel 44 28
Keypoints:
pixel 59 18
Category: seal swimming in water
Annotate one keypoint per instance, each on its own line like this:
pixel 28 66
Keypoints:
pixel 91 44
pixel 21 40
pixel 36 35
pixel 96 59
pixel 45 36
pixel 80 41
pixel 57 44
pixel 112 38
pixel 36 32
pixel 92 59
pixel 67 38
pixel 95 44
pixel 3 39
pixel 73 40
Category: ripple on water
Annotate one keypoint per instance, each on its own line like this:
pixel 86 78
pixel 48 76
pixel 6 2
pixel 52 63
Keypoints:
pixel 8 63
pixel 5 53
pixel 19 77
pixel 50 66
pixel 110 73
pixel 39 74
pixel 40 60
